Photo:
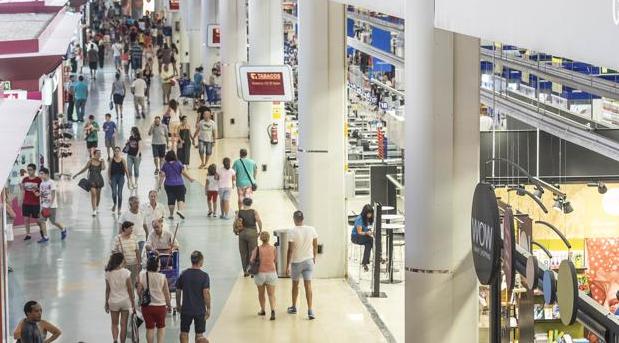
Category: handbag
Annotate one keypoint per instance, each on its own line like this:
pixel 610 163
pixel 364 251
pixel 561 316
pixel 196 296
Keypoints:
pixel 135 334
pixel 85 184
pixel 237 226
pixel 126 148
pixel 146 298
pixel 254 186
pixel 111 104
pixel 255 266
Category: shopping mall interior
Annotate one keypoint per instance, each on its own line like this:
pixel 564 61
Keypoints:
pixel 455 164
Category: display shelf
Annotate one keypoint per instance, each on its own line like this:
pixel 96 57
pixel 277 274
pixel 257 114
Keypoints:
pixel 376 22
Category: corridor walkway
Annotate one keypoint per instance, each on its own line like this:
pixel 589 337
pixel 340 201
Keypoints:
pixel 67 276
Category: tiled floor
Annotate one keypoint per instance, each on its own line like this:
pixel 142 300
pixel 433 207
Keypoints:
pixel 67 276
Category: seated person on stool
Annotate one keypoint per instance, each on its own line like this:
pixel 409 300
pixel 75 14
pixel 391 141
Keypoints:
pixel 159 240
pixel 363 235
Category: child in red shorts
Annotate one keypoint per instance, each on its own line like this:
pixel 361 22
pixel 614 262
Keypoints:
pixel 212 188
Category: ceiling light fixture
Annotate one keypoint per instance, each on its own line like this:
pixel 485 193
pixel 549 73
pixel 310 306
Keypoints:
pixel 567 207
pixel 558 204
pixel 601 186
pixel 539 192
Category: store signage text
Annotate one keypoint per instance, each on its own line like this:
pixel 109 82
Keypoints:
pixel 485 234
pixel 265 83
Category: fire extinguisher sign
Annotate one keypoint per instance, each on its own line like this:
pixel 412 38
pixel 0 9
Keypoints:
pixel 277 111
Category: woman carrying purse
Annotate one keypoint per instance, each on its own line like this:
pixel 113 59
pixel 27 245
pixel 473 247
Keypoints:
pixel 156 301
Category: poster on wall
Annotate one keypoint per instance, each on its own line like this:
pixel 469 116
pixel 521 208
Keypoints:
pixel 265 83
pixel 214 36
pixel 603 259
pixel 175 5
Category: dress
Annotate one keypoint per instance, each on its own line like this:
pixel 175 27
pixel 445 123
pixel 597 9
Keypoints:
pixel 94 176
pixel 184 149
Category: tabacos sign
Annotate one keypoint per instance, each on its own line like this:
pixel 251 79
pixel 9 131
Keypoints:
pixel 486 234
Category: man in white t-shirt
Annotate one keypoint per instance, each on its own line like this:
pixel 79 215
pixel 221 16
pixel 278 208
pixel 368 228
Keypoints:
pixel 302 249
pixel 152 210
pixel 49 202
pixel 137 218
pixel 138 88
pixel 117 49
pixel 206 132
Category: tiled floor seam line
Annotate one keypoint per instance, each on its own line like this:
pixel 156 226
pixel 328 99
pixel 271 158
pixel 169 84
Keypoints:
pixel 373 314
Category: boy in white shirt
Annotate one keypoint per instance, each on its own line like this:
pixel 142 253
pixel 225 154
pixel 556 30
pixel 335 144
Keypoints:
pixel 49 203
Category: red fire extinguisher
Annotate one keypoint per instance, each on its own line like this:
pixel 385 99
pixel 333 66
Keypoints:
pixel 272 132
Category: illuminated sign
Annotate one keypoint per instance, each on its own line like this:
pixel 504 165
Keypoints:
pixel 214 36
pixel 265 83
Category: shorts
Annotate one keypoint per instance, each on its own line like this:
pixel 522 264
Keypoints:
pixel 265 279
pixel 52 214
pixel 199 323
pixel 175 193
pixel 109 143
pixel 244 192
pixel 118 99
pixel 31 211
pixel 158 150
pixel 305 268
pixel 154 316
pixel 224 193
pixel 120 306
pixel 93 65
pixel 211 196
pixel 205 148
pixel 92 144
pixel 116 60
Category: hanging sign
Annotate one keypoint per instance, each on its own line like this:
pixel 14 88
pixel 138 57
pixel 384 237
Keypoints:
pixel 214 36
pixel 485 234
pixel 265 83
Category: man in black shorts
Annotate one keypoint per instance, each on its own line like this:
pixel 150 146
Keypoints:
pixel 159 141
pixel 193 286
pixel 31 207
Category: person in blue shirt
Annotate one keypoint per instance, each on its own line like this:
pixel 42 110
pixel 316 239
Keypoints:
pixel 80 89
pixel 362 234
pixel 109 127
pixel 198 82
pixel 246 172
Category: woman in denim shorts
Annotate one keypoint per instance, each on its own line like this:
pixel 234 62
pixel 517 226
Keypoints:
pixel 267 274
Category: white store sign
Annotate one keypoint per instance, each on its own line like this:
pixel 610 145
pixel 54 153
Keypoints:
pixel 586 31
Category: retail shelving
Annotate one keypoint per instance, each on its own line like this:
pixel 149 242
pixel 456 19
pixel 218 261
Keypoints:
pixel 390 58
pixel 376 22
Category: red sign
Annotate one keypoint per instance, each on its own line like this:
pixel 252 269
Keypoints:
pixel 216 35
pixel 174 5
pixel 265 83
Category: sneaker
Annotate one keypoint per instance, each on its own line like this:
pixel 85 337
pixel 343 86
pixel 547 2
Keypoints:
pixel 262 313
pixel 171 218
pixel 63 234
pixel 156 171
pixel 43 240
pixel 180 214
pixel 210 213
pixel 27 237
pixel 221 216
pixel 310 315
pixel 114 208
pixel 94 213
pixel 272 315
pixel 292 310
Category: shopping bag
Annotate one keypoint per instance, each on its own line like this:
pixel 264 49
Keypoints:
pixel 135 333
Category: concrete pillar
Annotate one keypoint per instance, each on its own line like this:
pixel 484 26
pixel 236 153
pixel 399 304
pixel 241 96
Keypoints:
pixel 322 113
pixel 193 30
pixel 442 161
pixel 233 51
pixel 209 17
pixel 266 47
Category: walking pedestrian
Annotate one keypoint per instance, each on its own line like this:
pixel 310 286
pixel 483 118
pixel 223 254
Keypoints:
pixel 95 166
pixel 135 54
pixel 33 329
pixel 117 172
pixel 118 94
pixel 135 216
pixel 117 49
pixel 159 142
pixel 226 177
pixel 31 203
pixel 138 89
pixel 160 301
pixel 134 156
pixel 93 58
pixel 110 129
pixel 119 296
pixel 152 210
pixel 185 141
pixel 161 240
pixel 81 95
pixel 206 131
pixel 246 172
pixel 193 298
pixel 91 130
pixel 248 225
pixel 171 177
pixel 301 258
pixel 101 52
pixel 362 234
pixel 211 189
pixel 167 79
pixel 126 244
pixel 49 202
pixel 124 59
pixel 69 89
pixel 147 74
pixel 267 274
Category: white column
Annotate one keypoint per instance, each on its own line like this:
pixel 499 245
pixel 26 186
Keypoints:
pixel 441 166
pixel 233 51
pixel 266 47
pixel 322 112
pixel 209 16
pixel 194 38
